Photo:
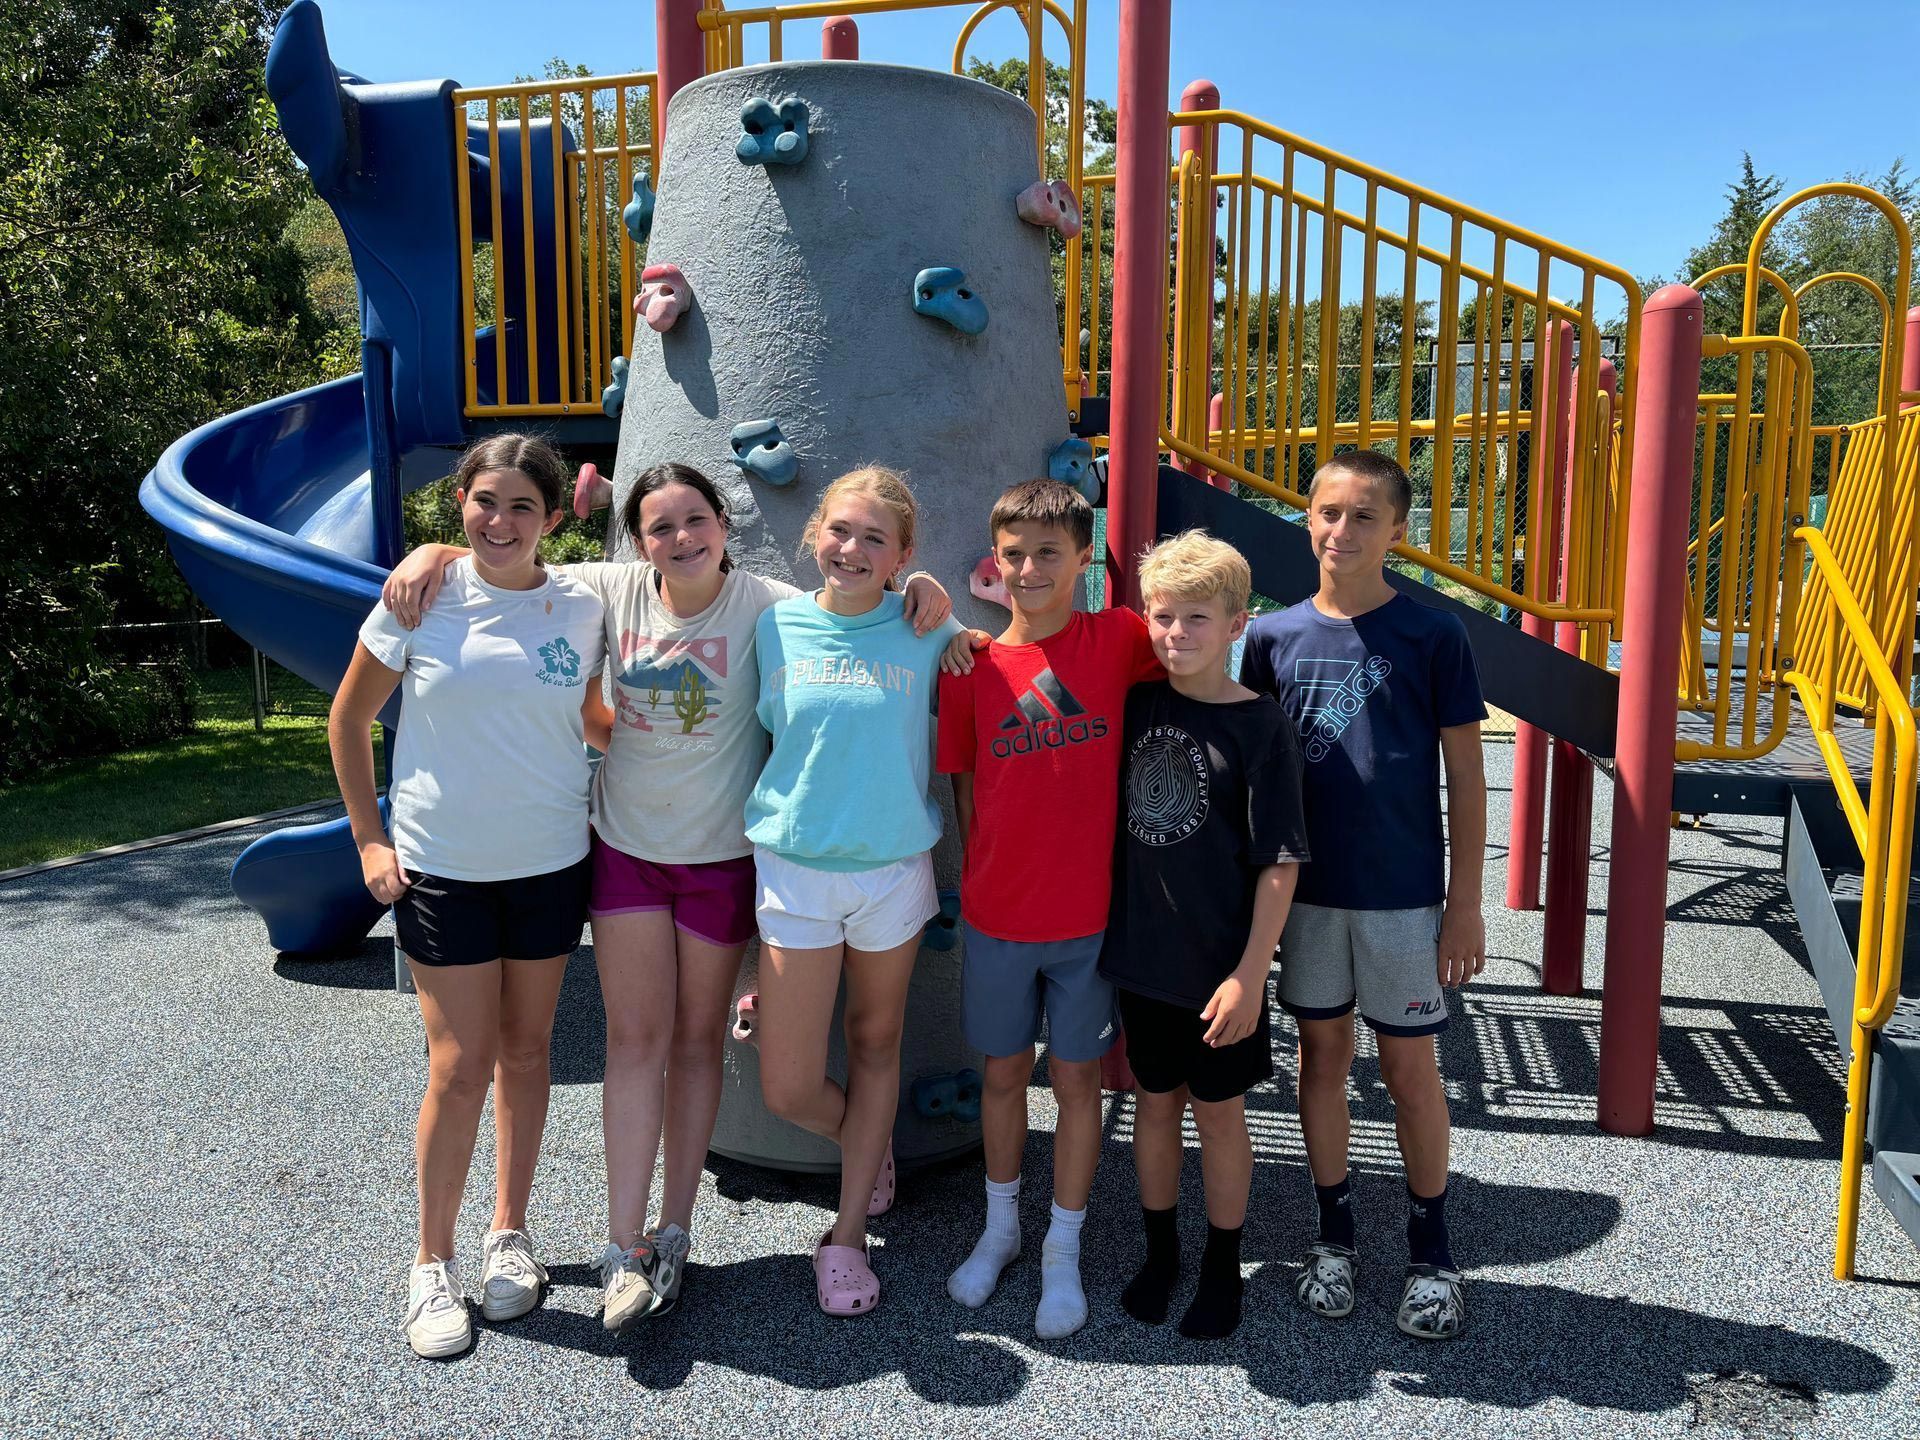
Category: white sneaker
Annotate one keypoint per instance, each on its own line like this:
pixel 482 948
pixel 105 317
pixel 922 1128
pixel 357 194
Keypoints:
pixel 437 1323
pixel 670 1247
pixel 510 1278
pixel 627 1276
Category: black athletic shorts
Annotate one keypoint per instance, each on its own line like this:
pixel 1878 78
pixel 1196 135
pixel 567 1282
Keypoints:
pixel 1165 1050
pixel 469 922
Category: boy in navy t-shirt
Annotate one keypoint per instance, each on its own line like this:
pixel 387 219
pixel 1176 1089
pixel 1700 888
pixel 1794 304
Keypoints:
pixel 1381 689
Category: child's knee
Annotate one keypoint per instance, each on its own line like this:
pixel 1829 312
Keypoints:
pixel 1410 1070
pixel 1220 1122
pixel 1326 1052
pixel 1006 1074
pixel 1074 1082
pixel 1160 1107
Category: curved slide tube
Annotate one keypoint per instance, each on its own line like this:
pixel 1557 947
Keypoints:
pixel 267 514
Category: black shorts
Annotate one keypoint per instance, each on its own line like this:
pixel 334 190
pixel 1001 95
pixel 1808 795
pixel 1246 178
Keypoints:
pixel 1165 1050
pixel 469 922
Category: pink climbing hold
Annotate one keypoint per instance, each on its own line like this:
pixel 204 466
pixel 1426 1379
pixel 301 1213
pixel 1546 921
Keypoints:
pixel 1053 206
pixel 746 1015
pixel 591 491
pixel 985 583
pixel 664 296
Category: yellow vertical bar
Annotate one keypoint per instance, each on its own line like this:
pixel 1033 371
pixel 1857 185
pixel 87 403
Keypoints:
pixel 577 271
pixel 1479 440
pixel 1241 354
pixel 624 161
pixel 1329 379
pixel 1298 387
pixel 1230 364
pixel 1447 359
pixel 1409 330
pixel 562 251
pixel 594 217
pixel 773 39
pixel 1036 18
pixel 1497 329
pixel 1263 391
pixel 1703 529
pixel 1542 505
pixel 499 281
pixel 462 168
pixel 1097 214
pixel 1369 272
pixel 528 285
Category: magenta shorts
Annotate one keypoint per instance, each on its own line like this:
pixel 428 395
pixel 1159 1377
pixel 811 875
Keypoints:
pixel 712 902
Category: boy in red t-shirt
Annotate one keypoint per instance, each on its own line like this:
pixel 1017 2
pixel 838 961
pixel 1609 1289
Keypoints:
pixel 1032 739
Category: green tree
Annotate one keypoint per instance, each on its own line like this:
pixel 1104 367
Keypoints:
pixel 147 284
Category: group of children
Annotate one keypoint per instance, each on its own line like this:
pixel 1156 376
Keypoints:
pixel 1141 834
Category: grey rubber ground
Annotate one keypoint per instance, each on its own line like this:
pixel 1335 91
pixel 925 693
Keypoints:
pixel 206 1172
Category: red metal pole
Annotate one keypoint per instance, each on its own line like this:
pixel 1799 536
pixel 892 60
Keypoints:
pixel 1667 394
pixel 680 57
pixel 1526 817
pixel 1570 809
pixel 1199 95
pixel 839 38
pixel 1139 289
pixel 1910 357
pixel 1216 423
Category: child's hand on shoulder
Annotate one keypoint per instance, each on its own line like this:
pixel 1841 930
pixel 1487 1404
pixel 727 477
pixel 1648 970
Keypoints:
pixel 1234 1010
pixel 1463 944
pixel 928 603
pixel 958 657
pixel 410 589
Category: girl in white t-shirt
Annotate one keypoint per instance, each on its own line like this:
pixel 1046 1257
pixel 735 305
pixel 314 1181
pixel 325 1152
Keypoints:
pixel 485 859
pixel 673 872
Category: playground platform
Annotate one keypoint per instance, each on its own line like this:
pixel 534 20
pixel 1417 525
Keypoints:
pixel 208 1176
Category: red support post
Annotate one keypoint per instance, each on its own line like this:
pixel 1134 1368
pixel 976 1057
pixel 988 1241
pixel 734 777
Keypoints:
pixel 839 38
pixel 1527 815
pixel 1910 356
pixel 1216 424
pixel 1139 289
pixel 680 57
pixel 1667 399
pixel 1570 808
pixel 1199 95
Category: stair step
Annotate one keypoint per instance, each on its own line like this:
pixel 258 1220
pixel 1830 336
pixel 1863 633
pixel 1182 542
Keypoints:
pixel 1896 1180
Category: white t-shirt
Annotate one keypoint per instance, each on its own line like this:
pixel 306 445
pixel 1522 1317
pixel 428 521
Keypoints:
pixel 490 771
pixel 687 745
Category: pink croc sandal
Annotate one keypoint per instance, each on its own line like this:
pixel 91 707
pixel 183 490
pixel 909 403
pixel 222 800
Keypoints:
pixel 843 1282
pixel 883 1186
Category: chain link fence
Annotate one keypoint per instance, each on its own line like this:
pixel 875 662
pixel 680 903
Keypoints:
pixel 227 683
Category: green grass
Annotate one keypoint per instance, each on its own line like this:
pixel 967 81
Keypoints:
pixel 221 771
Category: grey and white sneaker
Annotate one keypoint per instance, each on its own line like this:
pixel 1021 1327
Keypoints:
pixel 1325 1284
pixel 1433 1306
pixel 670 1247
pixel 510 1278
pixel 437 1323
pixel 628 1278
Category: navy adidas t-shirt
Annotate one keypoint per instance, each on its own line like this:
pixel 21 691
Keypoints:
pixel 1368 698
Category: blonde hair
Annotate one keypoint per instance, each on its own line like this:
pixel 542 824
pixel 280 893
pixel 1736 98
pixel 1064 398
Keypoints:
pixel 886 488
pixel 1194 566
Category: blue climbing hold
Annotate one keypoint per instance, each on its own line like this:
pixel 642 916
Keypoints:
pixel 773 134
pixel 943 930
pixel 615 395
pixel 1071 463
pixel 762 452
pixel 942 292
pixel 967 1088
pixel 638 216
pixel 941 1097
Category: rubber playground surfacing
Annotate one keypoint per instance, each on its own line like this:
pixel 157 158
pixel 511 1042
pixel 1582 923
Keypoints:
pixel 206 1162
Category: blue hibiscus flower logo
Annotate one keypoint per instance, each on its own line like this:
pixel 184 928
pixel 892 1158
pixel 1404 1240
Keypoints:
pixel 562 662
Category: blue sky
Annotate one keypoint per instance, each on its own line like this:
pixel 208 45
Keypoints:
pixel 1613 129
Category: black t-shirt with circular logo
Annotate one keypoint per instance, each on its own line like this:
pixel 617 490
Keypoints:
pixel 1210 796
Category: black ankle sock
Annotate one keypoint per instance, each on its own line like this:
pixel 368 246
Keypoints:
pixel 1427 1230
pixel 1147 1294
pixel 1215 1311
pixel 1336 1212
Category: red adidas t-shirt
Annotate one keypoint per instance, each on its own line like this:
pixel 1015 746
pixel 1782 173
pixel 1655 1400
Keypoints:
pixel 1039 727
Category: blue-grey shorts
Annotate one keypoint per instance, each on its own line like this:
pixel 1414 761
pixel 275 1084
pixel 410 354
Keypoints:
pixel 1006 985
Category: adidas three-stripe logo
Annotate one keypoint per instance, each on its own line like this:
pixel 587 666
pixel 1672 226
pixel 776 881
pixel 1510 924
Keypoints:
pixel 1046 717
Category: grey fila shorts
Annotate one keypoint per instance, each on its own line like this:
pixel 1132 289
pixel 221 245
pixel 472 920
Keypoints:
pixel 1385 963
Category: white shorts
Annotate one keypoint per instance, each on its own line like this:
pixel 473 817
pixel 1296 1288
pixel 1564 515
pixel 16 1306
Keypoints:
pixel 801 908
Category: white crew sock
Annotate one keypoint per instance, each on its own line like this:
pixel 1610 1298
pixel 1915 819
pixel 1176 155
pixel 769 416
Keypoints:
pixel 972 1284
pixel 1063 1304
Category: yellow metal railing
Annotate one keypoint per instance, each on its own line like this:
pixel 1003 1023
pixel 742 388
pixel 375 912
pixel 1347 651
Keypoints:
pixel 1447 345
pixel 1745 564
pixel 1882 827
pixel 726 47
pixel 603 140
